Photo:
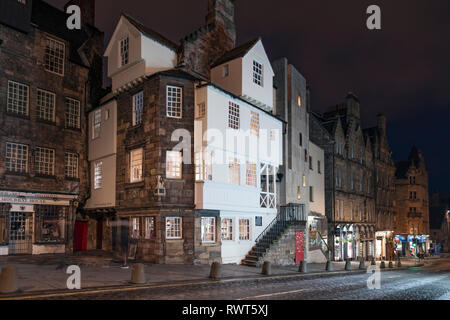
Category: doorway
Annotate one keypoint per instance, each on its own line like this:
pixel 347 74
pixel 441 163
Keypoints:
pixel 20 233
pixel 99 234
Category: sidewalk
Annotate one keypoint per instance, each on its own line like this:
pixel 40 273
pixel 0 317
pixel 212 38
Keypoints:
pixel 48 273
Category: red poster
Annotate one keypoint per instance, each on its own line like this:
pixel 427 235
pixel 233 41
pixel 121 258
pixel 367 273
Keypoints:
pixel 299 247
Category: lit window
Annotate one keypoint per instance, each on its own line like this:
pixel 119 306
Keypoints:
pixel 45 105
pixel 299 193
pixel 16 157
pixel 257 73
pixel 304 181
pixel 97 124
pixel 254 123
pixel 244 229
pixel 174 102
pixel 54 56
pixel 45 161
pixel 72 113
pixel 235 171
pixel 71 165
pixel 149 232
pixel 233 116
pixel 136 226
pixel 124 51
pixel 227 229
pixel 174 163
pixel 208 230
pixel 203 166
pixel 136 160
pixel 251 174
pixel 138 108
pixel 17 98
pixel 299 100
pixel 50 224
pixel 98 175
pixel 173 228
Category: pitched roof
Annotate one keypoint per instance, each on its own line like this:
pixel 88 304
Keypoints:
pixel 151 33
pixel 50 19
pixel 235 53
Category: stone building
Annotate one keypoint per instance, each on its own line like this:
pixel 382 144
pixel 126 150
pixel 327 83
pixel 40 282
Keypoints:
pixel 384 191
pixel 412 200
pixel 49 78
pixel 439 221
pixel 349 184
pixel 143 182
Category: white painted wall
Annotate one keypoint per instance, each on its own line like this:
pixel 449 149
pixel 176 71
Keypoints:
pixel 232 83
pixel 234 201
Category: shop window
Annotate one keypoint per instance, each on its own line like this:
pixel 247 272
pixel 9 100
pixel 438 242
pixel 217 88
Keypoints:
pixel 174 228
pixel 50 224
pixel 208 230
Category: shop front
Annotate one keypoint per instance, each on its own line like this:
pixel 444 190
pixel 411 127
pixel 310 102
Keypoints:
pixel 353 242
pixel 385 245
pixel 32 223
pixel 412 245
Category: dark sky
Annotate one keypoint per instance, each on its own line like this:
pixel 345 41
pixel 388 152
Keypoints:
pixel 402 70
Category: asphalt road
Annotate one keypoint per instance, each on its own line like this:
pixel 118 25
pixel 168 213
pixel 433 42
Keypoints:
pixel 430 282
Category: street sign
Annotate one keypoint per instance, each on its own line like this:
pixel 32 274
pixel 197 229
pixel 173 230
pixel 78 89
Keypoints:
pixel 299 247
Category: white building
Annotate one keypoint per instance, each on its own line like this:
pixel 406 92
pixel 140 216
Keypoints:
pixel 238 147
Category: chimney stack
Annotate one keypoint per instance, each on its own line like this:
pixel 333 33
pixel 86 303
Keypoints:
pixel 221 14
pixel 87 10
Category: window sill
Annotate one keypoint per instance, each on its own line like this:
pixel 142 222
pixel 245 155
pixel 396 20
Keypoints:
pixel 17 115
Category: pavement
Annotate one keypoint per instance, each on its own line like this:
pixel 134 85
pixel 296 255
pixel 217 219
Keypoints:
pixel 47 273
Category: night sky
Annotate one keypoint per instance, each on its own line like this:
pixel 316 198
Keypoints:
pixel 402 70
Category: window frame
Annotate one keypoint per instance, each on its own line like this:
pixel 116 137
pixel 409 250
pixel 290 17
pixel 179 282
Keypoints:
pixel 169 165
pixel 171 113
pixel 124 55
pixel 228 229
pixel 38 164
pixel 208 232
pixel 50 39
pixel 75 167
pixel 234 116
pixel 178 222
pixel 38 107
pixel 137 117
pixel 26 149
pixel 68 115
pixel 17 86
pixel 98 175
pixel 248 235
pixel 134 153
pixel 251 174
pixel 258 73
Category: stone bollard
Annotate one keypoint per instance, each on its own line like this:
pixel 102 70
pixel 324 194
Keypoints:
pixel 348 265
pixel 138 274
pixel 391 265
pixel 373 262
pixel 8 280
pixel 303 268
pixel 267 268
pixel 329 266
pixel 216 271
pixel 383 265
pixel 362 265
pixel 399 264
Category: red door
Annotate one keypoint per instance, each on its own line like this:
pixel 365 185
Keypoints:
pixel 80 237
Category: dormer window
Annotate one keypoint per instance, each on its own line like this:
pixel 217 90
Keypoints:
pixel 124 51
pixel 257 73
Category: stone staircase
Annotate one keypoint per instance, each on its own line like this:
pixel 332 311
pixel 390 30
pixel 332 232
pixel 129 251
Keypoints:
pixel 288 216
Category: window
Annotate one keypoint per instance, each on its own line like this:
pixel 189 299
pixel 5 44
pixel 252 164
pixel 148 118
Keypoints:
pixel 45 161
pixel 226 70
pixel 319 167
pixel 413 195
pixel 299 100
pixel 201 110
pixel 301 139
pixel 227 229
pixel 138 108
pixel 71 165
pixel 235 171
pixel 174 162
pixel 124 51
pixel 203 166
pixel 306 155
pixel 72 113
pixel 412 180
pixel 209 230
pixel 174 228
pixel 233 116
pixel 311 194
pixel 174 102
pixel 251 174
pixel 17 98
pixel 351 211
pixel 244 229
pixel 258 73
pixel 304 180
pixel 50 224
pixel 98 175
pixel 149 231
pixel 97 124
pixel 107 114
pixel 311 163
pixel 268 198
pixel 136 161
pixel 16 157
pixel 45 105
pixel 299 193
pixel 254 123
pixel 135 226
pixel 54 56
